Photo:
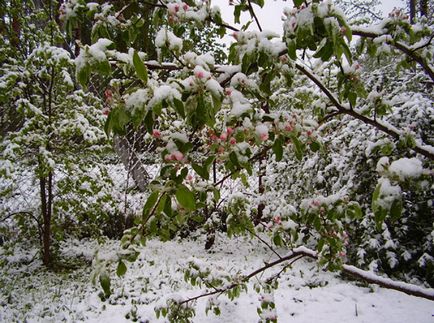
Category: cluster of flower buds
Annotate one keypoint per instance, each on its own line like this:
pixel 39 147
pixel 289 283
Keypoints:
pixel 174 156
pixel 398 13
pixel 175 10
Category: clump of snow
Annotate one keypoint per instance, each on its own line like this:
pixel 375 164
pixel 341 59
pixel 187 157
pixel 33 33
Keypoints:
pixel 137 99
pixel 388 193
pixel 167 38
pixel 164 92
pixel 214 87
pixel 182 137
pixel 406 168
pixel 240 104
pixel 382 164
pixel 261 131
pixel 95 52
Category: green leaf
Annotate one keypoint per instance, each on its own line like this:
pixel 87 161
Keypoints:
pixel 201 171
pixel 298 3
pixel 258 2
pixel 376 193
pixel 396 209
pixel 104 281
pixel 149 121
pixel 216 194
pixel 208 161
pixel 298 147
pixel 278 149
pixel 292 47
pixel 347 52
pixel 179 107
pixel 325 52
pixel 141 70
pixel 354 211
pixel 237 13
pixel 104 68
pixel 122 269
pixel 150 202
pixel 83 75
pixel 315 146
pixel 186 198
pixel 234 159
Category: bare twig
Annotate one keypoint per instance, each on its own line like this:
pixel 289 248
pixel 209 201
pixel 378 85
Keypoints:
pixel 265 242
pixel 253 14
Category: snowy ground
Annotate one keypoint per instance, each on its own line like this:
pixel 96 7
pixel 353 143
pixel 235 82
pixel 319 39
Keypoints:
pixel 306 294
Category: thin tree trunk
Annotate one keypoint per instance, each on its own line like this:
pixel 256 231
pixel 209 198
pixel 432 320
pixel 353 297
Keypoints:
pixel 423 8
pixel 261 190
pixel 46 217
pixel 412 5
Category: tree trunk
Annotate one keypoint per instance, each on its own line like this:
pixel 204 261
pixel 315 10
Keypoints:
pixel 412 5
pixel 261 190
pixel 423 8
pixel 46 221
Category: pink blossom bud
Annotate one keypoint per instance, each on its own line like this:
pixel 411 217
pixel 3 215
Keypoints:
pixel 228 92
pixel 176 7
pixel 230 131
pixel 108 93
pixel 263 136
pixel 316 203
pixel 156 133
pixel 178 155
pixel 223 136
pixel 277 220
pixel 189 177
pixel 185 7
pixel 288 127
pixel 232 141
pixel 199 74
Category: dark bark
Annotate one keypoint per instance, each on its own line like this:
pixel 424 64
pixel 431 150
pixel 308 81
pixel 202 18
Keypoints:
pixel 46 217
pixel 261 190
pixel 412 5
pixel 423 8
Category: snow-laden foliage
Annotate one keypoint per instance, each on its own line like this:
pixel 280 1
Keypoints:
pixel 328 145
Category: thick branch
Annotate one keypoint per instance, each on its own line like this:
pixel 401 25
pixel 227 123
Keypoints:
pixel 389 283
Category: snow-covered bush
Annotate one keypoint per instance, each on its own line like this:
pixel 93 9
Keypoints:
pixel 53 181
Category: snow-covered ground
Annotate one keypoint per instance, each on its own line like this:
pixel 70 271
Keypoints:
pixel 28 293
